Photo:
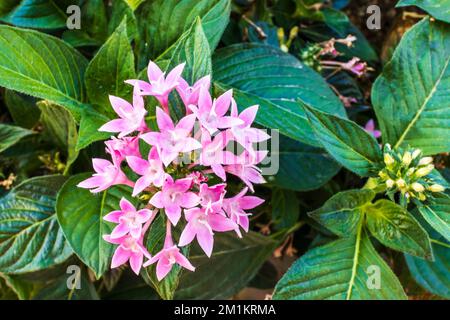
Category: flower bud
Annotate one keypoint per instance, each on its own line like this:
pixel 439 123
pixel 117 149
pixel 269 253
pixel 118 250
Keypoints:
pixel 417 187
pixel 407 158
pixel 422 197
pixel 388 160
pixel 382 174
pixel 416 153
pixel 410 171
pixel 400 183
pixel 436 188
pixel 425 160
pixel 389 183
pixel 424 171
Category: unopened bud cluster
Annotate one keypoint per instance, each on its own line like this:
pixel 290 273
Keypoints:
pixel 407 172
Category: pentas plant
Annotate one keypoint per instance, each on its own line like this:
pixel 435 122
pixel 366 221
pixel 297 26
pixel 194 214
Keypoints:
pixel 172 186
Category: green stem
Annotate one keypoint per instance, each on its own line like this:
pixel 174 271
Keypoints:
pixel 446 245
pixel 355 260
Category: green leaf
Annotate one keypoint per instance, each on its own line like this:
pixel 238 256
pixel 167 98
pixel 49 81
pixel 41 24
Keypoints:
pixel 396 228
pixel 22 109
pixel 30 237
pixel 61 129
pixel 155 243
pixel 193 49
pixel 107 71
pixel 50 69
pixel 239 259
pixel 23 289
pixel 339 270
pixel 438 9
pixel 10 135
pixel 119 10
pixel 433 276
pixel 264 75
pixel 88 133
pixel 437 214
pixel 342 213
pixel 80 214
pixel 411 96
pixel 285 208
pixel 39 14
pixel 301 166
pixel 162 22
pixel 346 141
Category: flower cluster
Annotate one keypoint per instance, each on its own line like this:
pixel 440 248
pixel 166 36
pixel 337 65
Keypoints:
pixel 163 182
pixel 407 172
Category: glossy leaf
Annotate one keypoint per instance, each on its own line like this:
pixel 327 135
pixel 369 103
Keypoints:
pixel 264 75
pixel 410 97
pixel 107 71
pixel 88 132
pixel 302 167
pixel 342 213
pixel 346 141
pixel 437 214
pixel 339 270
pixel 285 208
pixel 80 214
pixel 30 237
pixel 10 135
pixel 175 17
pixel 396 228
pixel 438 9
pixel 50 70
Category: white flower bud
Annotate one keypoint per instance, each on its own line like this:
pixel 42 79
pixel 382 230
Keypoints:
pixel 407 158
pixel 436 188
pixel 424 171
pixel 417 187
pixel 416 153
pixel 410 171
pixel 389 183
pixel 425 160
pixel 388 160
pixel 400 183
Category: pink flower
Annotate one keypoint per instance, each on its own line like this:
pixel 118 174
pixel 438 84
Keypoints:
pixel 119 149
pixel 107 175
pixel 246 168
pixel 244 133
pixel 129 220
pixel 160 86
pixel 172 139
pixel 174 196
pixel 212 114
pixel 212 153
pixel 197 177
pixel 129 249
pixel 211 197
pixel 167 257
pixel 190 95
pixel 202 225
pixel 370 128
pixel 355 66
pixel 131 116
pixel 152 171
pixel 236 205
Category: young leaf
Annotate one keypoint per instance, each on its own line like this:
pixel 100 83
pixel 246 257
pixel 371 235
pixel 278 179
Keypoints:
pixel 61 129
pixel 10 135
pixel 162 22
pixel 434 276
pixel 318 167
pixel 342 213
pixel 239 259
pixel 438 9
pixel 436 213
pixel 396 228
pixel 411 96
pixel 264 75
pixel 342 269
pixel 30 237
pixel 346 141
pixel 80 214
pixel 50 70
pixel 107 71
pixel 38 14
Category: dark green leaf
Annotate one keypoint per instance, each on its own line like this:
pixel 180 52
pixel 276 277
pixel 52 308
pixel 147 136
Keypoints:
pixel 346 141
pixel 10 135
pixel 22 109
pixel 438 9
pixel 285 208
pixel 30 237
pixel 88 133
pixel 437 214
pixel 411 96
pixel 264 75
